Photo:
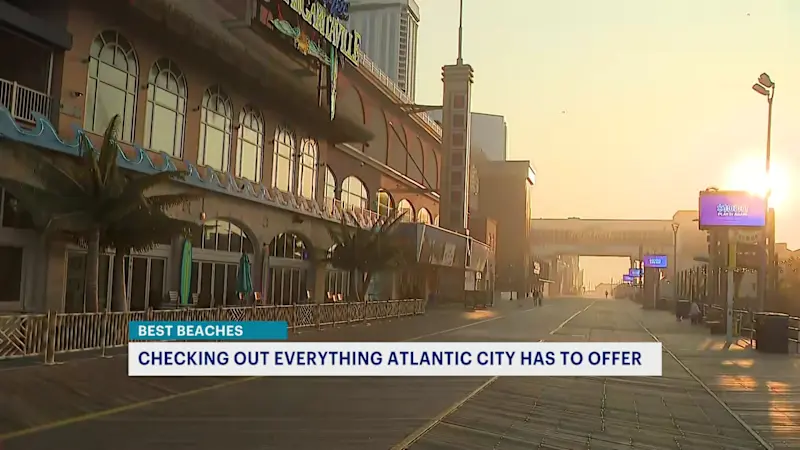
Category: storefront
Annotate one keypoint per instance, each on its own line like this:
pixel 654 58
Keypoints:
pixel 447 264
pixel 19 245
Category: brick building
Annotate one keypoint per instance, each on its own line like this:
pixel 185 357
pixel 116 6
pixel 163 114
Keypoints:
pixel 238 92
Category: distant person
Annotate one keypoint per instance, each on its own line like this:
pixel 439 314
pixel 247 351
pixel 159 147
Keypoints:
pixel 606 294
pixel 695 314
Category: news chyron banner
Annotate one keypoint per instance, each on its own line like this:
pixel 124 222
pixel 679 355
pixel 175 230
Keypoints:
pixel 239 349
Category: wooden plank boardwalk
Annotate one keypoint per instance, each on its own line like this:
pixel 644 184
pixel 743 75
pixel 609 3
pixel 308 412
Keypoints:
pixel 708 398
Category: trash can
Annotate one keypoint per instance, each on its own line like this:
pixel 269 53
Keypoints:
pixel 683 308
pixel 772 333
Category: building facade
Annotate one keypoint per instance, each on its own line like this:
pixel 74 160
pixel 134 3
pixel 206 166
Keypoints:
pixel 390 29
pixel 489 134
pixel 504 192
pixel 278 138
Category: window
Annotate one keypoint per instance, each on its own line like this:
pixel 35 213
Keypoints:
pixel 250 153
pixel 436 220
pixel 424 216
pixel 385 203
pixel 288 245
pixel 354 193
pixel 307 169
pixel 283 161
pixel 407 209
pixel 216 117
pixel 112 84
pixel 223 236
pixel 166 108
pixel 330 184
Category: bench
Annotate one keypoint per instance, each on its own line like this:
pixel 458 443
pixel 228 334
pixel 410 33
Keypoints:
pixel 715 321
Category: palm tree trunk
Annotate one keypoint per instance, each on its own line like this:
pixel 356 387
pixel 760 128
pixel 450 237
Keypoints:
pixel 119 301
pixel 352 294
pixel 365 286
pixel 93 271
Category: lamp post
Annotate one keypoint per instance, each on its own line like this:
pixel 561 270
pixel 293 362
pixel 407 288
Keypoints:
pixel 766 87
pixel 675 226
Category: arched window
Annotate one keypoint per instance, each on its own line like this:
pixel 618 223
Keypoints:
pixel 166 108
pixel 385 203
pixel 354 193
pixel 330 184
pixel 424 216
pixel 307 168
pixel 112 84
pixel 216 118
pixel 289 246
pixel 250 154
pixel 223 236
pixel 407 209
pixel 436 220
pixel 282 161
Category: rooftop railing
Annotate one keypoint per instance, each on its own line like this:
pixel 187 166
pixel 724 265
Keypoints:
pixel 376 71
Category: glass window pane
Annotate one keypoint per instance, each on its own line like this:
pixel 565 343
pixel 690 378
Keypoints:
pixel 219 283
pixel 157 273
pixel 230 285
pixel 236 239
pixel 223 236
pixel 282 173
pixel 109 101
pixel 163 137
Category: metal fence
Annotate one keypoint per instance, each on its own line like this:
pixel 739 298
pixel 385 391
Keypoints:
pixel 47 335
pixel 744 325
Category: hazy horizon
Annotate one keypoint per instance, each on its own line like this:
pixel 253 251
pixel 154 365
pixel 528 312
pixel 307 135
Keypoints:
pixel 628 108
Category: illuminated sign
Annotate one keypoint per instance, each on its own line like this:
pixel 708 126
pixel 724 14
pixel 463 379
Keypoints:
pixel 655 261
pixel 325 18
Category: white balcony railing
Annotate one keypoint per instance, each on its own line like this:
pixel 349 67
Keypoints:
pixel 370 66
pixel 23 101
pixel 372 216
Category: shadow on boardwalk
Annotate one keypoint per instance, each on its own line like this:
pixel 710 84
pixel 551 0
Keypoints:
pixel 764 390
pixel 35 394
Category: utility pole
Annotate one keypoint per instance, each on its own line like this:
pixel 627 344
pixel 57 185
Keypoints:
pixel 731 268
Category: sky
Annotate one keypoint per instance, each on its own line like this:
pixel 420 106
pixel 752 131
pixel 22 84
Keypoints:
pixel 628 108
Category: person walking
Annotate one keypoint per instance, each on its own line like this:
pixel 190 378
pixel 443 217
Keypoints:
pixel 695 314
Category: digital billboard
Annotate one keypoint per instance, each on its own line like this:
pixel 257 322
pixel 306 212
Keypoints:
pixel 634 272
pixel 627 278
pixel 655 261
pixel 731 209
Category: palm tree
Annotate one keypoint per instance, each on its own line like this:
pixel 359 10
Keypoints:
pixel 139 232
pixel 364 252
pixel 88 199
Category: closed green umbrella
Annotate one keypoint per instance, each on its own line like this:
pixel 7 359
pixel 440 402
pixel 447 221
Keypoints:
pixel 244 279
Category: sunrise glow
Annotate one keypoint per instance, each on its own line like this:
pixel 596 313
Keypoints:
pixel 750 175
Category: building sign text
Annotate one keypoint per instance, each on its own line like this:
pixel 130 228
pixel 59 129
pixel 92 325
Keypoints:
pixel 327 23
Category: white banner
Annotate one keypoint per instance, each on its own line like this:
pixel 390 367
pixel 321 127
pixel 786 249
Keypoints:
pixel 394 359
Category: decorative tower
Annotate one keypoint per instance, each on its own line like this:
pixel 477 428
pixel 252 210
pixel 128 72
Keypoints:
pixel 456 126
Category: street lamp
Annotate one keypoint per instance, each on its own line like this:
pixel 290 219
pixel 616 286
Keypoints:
pixel 675 226
pixel 766 87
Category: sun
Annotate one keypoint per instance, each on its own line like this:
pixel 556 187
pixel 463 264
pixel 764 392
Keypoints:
pixel 750 175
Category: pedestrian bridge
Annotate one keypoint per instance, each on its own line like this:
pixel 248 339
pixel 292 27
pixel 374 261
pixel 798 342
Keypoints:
pixel 601 237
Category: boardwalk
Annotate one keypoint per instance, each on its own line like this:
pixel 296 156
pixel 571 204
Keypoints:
pixel 94 405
